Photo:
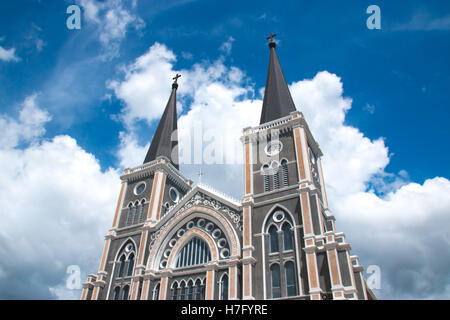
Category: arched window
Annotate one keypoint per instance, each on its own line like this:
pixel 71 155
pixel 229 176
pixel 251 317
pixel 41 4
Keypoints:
pixel 284 173
pixel 195 252
pixel 141 211
pixel 134 213
pixel 156 292
pixel 190 291
pixel 130 265
pixel 116 293
pixel 121 266
pixel 273 239
pixel 275 280
pixel 128 220
pixel 224 287
pixel 276 176
pixel 126 289
pixel 198 290
pixel 174 293
pixel 182 290
pixel 291 288
pixel 266 177
pixel 287 236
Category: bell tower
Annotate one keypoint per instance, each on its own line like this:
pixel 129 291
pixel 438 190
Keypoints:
pixel 147 193
pixel 290 245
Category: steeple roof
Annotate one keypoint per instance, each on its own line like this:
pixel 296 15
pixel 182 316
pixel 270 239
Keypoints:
pixel 277 102
pixel 165 140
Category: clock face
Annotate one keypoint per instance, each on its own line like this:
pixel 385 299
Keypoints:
pixel 139 188
pixel 273 148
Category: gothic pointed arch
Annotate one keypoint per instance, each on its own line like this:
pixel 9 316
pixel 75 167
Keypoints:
pixel 123 248
pixel 280 238
pixel 122 258
pixel 273 209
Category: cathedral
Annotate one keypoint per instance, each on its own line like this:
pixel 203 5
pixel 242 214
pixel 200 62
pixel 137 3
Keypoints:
pixel 172 239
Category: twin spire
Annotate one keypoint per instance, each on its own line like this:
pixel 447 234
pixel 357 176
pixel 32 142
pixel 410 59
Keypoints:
pixel 165 140
pixel 277 103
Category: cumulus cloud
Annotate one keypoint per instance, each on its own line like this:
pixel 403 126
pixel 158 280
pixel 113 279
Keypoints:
pixel 146 85
pixel 57 205
pixel 350 159
pixel 406 234
pixel 30 124
pixel 131 153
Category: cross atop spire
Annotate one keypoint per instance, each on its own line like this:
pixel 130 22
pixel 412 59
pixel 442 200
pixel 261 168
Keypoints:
pixel 272 35
pixel 175 83
pixel 176 77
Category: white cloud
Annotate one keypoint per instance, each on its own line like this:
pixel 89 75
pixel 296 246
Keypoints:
pixel 112 18
pixel 350 159
pixel 61 292
pixel 131 153
pixel 146 87
pixel 8 54
pixel 57 205
pixel 406 234
pixel 227 45
pixel 29 126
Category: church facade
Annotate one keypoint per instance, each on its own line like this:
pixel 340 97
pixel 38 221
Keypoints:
pixel 173 240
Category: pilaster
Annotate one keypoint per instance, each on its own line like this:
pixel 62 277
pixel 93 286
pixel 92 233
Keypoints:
pixel 337 288
pixel 247 250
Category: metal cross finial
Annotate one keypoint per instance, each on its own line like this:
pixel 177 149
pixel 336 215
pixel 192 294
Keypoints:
pixel 272 35
pixel 176 77
pixel 200 174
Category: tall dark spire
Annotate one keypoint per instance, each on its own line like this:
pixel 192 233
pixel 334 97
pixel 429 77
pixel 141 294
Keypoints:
pixel 277 102
pixel 165 140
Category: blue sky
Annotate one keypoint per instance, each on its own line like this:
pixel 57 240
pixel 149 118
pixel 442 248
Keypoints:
pixel 397 79
pixel 403 74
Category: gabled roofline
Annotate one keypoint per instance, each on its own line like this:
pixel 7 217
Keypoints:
pixel 222 197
